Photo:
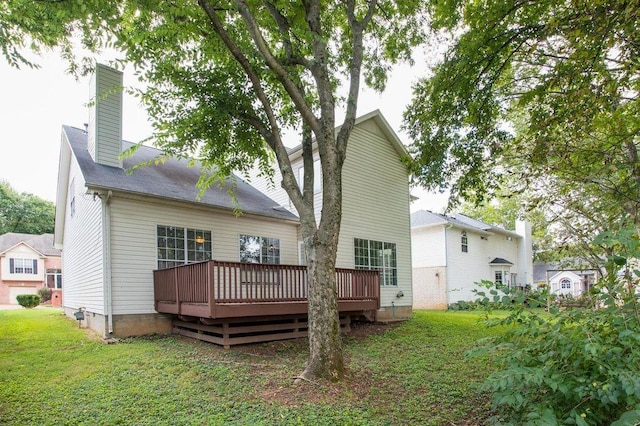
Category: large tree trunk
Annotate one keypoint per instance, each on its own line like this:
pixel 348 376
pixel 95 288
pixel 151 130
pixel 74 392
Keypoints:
pixel 325 346
pixel 321 245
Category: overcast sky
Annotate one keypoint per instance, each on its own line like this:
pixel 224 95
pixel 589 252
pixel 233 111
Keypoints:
pixel 34 104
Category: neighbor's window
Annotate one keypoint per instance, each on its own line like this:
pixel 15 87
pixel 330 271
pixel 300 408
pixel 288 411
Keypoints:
pixel 23 266
pixel 464 242
pixel 565 283
pixel 54 278
pixel 259 249
pixel 377 256
pixel 498 277
pixel 178 246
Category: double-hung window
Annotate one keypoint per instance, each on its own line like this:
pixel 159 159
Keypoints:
pixel 377 256
pixel 259 249
pixel 178 246
pixel 23 266
pixel 464 242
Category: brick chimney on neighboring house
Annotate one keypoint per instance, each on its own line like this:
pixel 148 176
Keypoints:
pixel 105 117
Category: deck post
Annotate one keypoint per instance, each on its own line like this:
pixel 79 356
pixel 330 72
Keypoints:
pixel 211 288
pixel 175 281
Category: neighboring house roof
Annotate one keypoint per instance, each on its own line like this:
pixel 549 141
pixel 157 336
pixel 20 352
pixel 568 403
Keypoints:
pixel 540 269
pixel 425 218
pixel 42 244
pixel 173 180
pixel 500 261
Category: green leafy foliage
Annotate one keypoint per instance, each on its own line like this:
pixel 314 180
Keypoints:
pixel 28 300
pixel 543 95
pixel 573 365
pixel 45 294
pixel 24 213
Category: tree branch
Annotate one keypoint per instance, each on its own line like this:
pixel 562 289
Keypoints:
pixel 274 139
pixel 285 29
pixel 355 69
pixel 295 92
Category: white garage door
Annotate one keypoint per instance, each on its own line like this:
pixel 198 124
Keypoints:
pixel 14 291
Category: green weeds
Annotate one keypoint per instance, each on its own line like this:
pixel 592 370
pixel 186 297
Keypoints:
pixel 55 373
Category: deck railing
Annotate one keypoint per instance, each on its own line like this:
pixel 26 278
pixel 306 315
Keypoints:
pixel 216 282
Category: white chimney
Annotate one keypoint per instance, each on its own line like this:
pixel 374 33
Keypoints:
pixel 105 117
pixel 525 252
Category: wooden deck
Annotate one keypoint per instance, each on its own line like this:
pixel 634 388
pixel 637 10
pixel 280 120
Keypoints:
pixel 232 303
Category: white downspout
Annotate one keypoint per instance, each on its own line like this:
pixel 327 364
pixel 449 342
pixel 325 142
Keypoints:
pixel 106 223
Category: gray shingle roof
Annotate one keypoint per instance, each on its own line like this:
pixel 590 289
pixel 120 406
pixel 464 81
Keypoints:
pixel 425 217
pixel 500 261
pixel 172 180
pixel 43 243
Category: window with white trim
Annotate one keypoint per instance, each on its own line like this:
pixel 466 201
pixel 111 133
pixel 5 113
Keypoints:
pixel 179 246
pixel 23 266
pixel 255 249
pixel 54 278
pixel 377 256
pixel 498 277
pixel 565 283
pixel 464 242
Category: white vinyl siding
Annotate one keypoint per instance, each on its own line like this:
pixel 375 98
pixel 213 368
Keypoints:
pixel 105 117
pixel 376 205
pixel 134 225
pixel 82 256
pixel 465 270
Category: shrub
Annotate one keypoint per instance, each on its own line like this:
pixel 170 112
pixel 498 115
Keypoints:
pixel 572 366
pixel 45 294
pixel 28 300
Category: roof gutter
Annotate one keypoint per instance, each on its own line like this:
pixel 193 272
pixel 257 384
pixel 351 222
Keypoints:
pixel 167 200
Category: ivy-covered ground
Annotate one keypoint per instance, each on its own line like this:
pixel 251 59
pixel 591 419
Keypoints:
pixel 409 373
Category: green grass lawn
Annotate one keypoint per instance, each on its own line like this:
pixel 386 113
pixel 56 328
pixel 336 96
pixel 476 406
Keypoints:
pixel 51 372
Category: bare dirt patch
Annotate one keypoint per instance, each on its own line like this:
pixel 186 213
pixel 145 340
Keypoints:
pixel 279 363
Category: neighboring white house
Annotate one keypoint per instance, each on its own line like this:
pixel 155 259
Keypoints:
pixel 570 283
pixel 115 228
pixel 566 277
pixel 451 254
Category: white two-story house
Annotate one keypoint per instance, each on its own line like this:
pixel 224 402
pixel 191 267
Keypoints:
pixel 452 254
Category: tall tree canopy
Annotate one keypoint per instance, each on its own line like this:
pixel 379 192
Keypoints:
pixel 24 213
pixel 544 94
pixel 227 77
